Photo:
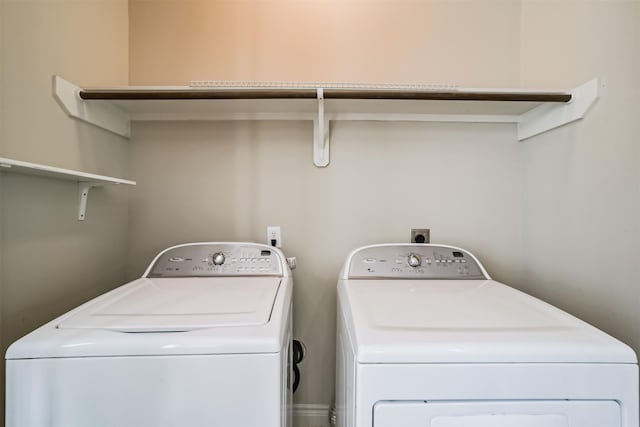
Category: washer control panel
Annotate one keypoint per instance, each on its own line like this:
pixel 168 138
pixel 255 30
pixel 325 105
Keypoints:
pixel 418 261
pixel 217 259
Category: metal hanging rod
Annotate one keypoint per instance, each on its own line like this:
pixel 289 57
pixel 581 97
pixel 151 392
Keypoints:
pixel 196 94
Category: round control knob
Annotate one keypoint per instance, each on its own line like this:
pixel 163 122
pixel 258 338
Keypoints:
pixel 414 260
pixel 217 258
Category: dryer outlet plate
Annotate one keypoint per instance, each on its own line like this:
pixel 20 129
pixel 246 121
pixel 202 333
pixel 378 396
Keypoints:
pixel 420 235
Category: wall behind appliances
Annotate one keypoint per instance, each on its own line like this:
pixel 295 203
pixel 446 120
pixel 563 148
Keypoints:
pixel 582 183
pixel 51 262
pixel 1 193
pixel 433 41
pixel 229 180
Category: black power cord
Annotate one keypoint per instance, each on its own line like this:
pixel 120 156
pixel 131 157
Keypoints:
pixel 298 355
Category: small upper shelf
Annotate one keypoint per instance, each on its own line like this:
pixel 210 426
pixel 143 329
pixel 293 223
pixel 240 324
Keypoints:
pixel 85 181
pixel 532 111
pixel 18 166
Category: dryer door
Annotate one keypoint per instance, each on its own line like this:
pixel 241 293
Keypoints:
pixel 553 413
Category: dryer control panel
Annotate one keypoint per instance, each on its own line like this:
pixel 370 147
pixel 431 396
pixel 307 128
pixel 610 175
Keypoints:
pixel 414 261
pixel 217 259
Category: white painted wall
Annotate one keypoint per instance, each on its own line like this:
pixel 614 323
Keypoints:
pixel 582 182
pixel 1 196
pixel 470 42
pixel 49 261
pixel 2 101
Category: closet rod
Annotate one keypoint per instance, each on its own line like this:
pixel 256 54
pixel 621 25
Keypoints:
pixel 449 96
pixel 148 94
pixel 132 94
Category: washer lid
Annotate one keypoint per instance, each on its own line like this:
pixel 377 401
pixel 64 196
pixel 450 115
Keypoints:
pixel 181 304
pixel 468 321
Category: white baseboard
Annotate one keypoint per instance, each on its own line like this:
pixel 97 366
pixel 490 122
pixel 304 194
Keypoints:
pixel 310 415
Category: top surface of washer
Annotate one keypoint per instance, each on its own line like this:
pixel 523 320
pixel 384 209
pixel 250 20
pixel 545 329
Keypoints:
pixel 191 300
pixel 181 304
pixel 404 319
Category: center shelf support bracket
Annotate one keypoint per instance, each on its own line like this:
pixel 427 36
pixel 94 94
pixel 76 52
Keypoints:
pixel 551 116
pixel 83 194
pixel 321 134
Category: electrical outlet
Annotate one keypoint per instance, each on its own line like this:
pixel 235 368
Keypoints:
pixel 420 235
pixel 274 238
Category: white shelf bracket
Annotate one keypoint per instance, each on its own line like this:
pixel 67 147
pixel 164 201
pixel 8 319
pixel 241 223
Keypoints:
pixel 551 116
pixel 83 193
pixel 321 134
pixel 97 113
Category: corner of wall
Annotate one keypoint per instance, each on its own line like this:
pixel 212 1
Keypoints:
pixel 2 269
pixel 86 42
pixel 2 296
pixel 581 234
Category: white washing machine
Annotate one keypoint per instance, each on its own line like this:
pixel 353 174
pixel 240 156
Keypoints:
pixel 426 338
pixel 202 339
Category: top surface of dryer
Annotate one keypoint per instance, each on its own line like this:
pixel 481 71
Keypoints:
pixel 202 298
pixel 445 313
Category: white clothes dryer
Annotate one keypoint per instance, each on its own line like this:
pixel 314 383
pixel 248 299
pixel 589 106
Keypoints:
pixel 426 338
pixel 202 339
